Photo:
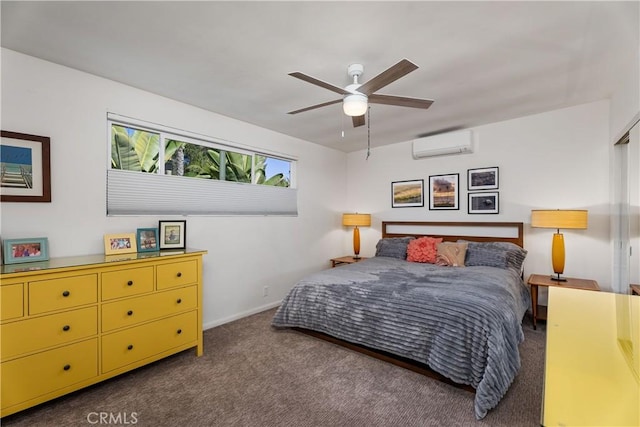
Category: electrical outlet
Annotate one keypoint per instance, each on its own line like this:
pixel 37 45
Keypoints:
pixel 265 291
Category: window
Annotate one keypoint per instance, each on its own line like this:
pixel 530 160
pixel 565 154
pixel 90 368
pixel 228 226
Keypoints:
pixel 153 168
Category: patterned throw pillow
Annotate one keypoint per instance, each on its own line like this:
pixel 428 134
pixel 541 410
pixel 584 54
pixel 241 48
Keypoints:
pixel 423 249
pixel 451 254
pixel 393 247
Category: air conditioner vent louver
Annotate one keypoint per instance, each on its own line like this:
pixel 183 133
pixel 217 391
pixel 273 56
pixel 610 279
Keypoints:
pixel 443 144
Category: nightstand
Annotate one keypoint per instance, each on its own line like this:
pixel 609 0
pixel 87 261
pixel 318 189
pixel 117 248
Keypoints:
pixel 635 289
pixel 345 260
pixel 535 280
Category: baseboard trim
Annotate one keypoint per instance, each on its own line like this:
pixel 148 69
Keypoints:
pixel 238 316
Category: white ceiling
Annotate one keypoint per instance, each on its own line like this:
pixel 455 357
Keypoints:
pixel 481 62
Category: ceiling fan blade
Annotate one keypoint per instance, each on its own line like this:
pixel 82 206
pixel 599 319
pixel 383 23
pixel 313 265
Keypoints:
pixel 358 121
pixel 313 107
pixel 313 80
pixel 388 76
pixel 401 101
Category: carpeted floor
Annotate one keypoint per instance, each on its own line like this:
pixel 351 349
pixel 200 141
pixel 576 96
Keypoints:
pixel 252 375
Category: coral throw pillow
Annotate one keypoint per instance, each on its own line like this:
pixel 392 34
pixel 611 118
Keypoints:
pixel 423 249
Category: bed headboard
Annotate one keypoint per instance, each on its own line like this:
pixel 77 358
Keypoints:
pixel 452 231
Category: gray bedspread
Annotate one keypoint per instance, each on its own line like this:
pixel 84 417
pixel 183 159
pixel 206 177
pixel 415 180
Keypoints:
pixel 463 322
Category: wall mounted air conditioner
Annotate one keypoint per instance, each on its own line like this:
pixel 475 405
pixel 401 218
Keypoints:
pixel 442 144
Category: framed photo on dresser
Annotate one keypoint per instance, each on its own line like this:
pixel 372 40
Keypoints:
pixel 172 234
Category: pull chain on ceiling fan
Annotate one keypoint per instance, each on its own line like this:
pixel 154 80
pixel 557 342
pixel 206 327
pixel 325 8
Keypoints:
pixel 356 96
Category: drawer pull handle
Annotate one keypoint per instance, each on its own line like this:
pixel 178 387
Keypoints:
pixel 130 347
pixel 66 293
pixel 66 327
pixel 179 300
pixel 66 367
pixel 130 313
pixel 179 274
pixel 130 283
pixel 179 331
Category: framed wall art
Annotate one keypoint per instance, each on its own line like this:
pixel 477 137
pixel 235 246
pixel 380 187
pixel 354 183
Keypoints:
pixel 172 234
pixel 487 202
pixel 26 168
pixel 123 243
pixel 25 250
pixel 147 239
pixel 405 194
pixel 444 192
pixel 482 179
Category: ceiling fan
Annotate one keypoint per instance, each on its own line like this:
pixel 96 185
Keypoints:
pixel 357 96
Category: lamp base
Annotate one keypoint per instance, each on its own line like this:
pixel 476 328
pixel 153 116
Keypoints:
pixel 357 257
pixel 558 278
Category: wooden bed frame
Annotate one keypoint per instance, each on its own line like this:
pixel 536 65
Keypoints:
pixel 450 231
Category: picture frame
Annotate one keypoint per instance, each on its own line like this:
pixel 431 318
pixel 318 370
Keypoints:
pixel 172 234
pixel 483 179
pixel 485 202
pixel 27 159
pixel 123 243
pixel 444 192
pixel 147 239
pixel 407 194
pixel 25 250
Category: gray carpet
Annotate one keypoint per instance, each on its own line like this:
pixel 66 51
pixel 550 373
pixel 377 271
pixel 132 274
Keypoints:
pixel 252 375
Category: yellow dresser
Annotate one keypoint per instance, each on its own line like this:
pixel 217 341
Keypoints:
pixel 71 322
pixel 592 360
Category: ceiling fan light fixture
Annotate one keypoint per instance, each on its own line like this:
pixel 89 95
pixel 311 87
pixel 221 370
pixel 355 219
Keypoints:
pixel 355 105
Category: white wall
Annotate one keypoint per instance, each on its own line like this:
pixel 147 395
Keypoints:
pixel 554 160
pixel 245 253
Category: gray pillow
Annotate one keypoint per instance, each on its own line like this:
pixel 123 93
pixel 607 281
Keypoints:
pixel 393 247
pixel 495 254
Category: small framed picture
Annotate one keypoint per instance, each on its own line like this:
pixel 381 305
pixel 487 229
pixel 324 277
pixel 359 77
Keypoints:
pixel 25 250
pixel 482 179
pixel 487 202
pixel 147 239
pixel 444 192
pixel 406 194
pixel 173 234
pixel 123 243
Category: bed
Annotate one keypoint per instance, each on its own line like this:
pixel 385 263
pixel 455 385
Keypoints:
pixel 463 323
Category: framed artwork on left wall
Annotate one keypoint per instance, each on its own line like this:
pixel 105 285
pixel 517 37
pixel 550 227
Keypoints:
pixel 26 168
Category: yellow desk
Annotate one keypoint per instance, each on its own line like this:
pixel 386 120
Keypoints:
pixel 592 362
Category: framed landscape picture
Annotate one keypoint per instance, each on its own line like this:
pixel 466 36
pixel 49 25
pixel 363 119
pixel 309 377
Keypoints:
pixel 444 193
pixel 406 194
pixel 487 202
pixel 172 234
pixel 25 250
pixel 26 168
pixel 482 179
pixel 123 243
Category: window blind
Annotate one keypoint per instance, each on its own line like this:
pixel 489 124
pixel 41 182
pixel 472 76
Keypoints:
pixel 135 193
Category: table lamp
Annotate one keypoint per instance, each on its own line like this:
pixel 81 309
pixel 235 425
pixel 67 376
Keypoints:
pixel 355 220
pixel 558 219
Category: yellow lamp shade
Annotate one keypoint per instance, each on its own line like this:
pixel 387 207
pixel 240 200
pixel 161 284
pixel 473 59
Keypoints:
pixel 356 219
pixel 559 219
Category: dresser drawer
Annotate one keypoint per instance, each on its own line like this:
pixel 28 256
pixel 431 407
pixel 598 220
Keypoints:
pixel 11 301
pixel 177 274
pixel 41 373
pixel 131 311
pixel 123 283
pixel 66 292
pixel 122 348
pixel 41 332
